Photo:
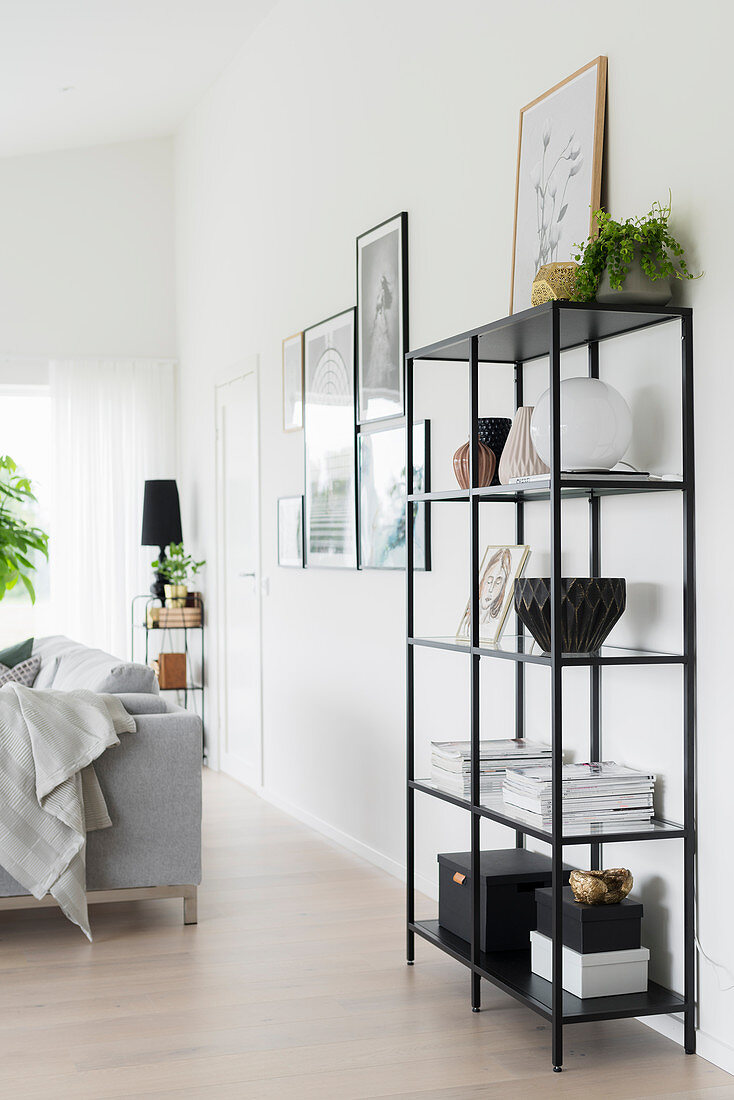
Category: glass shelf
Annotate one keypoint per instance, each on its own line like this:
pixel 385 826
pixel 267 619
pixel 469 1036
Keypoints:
pixel 510 971
pixel 519 647
pixel 524 336
pixel 495 808
pixel 572 487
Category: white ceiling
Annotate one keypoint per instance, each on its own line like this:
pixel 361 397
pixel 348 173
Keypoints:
pixel 132 68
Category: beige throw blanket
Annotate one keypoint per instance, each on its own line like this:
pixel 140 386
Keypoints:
pixel 49 794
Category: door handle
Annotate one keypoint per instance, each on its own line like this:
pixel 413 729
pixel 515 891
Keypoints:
pixel 247 574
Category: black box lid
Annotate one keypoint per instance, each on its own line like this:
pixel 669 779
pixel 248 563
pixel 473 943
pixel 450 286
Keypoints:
pixel 504 866
pixel 629 909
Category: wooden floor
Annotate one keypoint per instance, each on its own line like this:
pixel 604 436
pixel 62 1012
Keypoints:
pixel 292 985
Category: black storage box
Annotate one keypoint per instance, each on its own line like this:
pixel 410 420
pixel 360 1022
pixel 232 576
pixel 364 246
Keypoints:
pixel 588 928
pixel 509 879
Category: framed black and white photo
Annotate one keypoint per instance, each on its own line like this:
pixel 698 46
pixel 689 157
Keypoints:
pixel 500 568
pixel 558 185
pixel 290 532
pixel 382 312
pixel 293 383
pixel 330 443
pixel 382 497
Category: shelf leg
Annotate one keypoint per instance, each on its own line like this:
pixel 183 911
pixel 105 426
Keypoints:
pixel 556 690
pixel 519 666
pixel 476 993
pixel 409 670
pixel 689 686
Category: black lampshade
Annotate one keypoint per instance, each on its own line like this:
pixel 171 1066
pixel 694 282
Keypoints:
pixel 161 514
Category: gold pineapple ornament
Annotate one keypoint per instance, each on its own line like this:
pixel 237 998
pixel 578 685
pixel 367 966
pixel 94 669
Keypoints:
pixel 556 281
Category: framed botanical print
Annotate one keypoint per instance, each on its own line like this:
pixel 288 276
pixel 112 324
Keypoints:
pixel 382 515
pixel 330 443
pixel 500 568
pixel 558 185
pixel 382 312
pixel 290 532
pixel 293 383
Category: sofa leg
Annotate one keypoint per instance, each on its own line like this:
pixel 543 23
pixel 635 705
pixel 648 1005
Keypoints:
pixel 189 908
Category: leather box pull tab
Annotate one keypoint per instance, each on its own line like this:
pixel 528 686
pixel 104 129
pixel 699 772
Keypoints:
pixel 458 877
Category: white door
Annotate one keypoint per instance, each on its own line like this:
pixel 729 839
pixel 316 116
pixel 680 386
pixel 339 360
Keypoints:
pixel 238 588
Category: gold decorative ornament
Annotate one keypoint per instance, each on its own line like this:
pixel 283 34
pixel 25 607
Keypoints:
pixel 554 282
pixel 601 887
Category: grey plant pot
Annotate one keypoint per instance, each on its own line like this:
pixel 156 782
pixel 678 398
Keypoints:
pixel 637 289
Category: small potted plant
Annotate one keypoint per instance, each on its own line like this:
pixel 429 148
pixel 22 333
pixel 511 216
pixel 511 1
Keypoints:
pixel 177 567
pixel 633 261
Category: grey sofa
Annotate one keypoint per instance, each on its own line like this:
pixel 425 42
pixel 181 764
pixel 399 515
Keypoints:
pixel 151 783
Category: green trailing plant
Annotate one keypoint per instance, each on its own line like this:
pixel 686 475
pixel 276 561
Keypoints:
pixel 617 245
pixel 178 566
pixel 19 540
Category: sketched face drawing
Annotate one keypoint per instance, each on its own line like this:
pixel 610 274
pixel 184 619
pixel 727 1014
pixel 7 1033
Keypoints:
pixel 493 587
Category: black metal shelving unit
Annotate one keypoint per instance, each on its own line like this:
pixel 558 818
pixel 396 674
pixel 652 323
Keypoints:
pixel 139 624
pixel 545 332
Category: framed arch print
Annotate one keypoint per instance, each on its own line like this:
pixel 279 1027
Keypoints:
pixel 558 184
pixel 382 313
pixel 330 443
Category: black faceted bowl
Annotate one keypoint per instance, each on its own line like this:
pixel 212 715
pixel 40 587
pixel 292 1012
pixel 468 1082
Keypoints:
pixel 493 432
pixel 590 606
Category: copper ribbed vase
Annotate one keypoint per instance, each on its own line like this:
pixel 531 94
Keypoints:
pixel 485 461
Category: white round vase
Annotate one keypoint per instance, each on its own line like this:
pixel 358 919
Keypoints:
pixel 596 425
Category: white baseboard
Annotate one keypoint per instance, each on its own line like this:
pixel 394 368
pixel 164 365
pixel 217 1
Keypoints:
pixel 247 774
pixel 713 1050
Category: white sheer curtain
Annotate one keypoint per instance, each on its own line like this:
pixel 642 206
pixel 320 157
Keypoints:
pixel 114 427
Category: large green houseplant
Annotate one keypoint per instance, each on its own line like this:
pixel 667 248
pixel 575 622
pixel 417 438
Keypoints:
pixel 642 246
pixel 19 540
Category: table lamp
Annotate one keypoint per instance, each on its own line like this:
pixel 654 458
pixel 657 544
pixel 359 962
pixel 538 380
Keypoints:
pixel 161 523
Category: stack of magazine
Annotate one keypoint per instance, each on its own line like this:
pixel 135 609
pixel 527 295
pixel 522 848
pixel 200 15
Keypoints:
pixel 451 763
pixel 592 793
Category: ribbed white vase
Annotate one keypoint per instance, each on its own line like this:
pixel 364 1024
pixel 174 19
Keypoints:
pixel 519 457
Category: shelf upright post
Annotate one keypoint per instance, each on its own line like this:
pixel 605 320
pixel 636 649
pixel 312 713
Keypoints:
pixel 475 659
pixel 556 686
pixel 594 571
pixel 689 684
pixel 519 665
pixel 409 666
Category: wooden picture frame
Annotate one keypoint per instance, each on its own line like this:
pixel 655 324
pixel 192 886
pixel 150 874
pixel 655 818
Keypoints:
pixel 382 319
pixel 499 569
pixel 564 128
pixel 292 355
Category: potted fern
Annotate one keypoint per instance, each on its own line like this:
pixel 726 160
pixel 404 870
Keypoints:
pixel 633 261
pixel 19 540
pixel 177 567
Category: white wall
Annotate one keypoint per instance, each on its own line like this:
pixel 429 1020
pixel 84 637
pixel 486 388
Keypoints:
pixel 86 252
pixel 335 116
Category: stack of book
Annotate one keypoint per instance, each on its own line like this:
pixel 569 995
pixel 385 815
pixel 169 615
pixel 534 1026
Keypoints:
pixel 592 793
pixel 451 763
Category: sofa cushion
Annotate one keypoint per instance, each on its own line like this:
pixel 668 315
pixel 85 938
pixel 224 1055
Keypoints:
pixel 24 673
pixel 80 666
pixel 14 654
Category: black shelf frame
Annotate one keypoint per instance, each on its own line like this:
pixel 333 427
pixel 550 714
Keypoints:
pixel 139 606
pixel 545 332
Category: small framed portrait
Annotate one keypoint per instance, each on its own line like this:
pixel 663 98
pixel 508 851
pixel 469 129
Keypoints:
pixel 559 164
pixel 293 383
pixel 290 532
pixel 382 311
pixel 500 568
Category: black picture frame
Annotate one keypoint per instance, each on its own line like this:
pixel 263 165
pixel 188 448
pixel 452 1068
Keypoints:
pixel 382 335
pixel 329 408
pixel 300 559
pixel 422 512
